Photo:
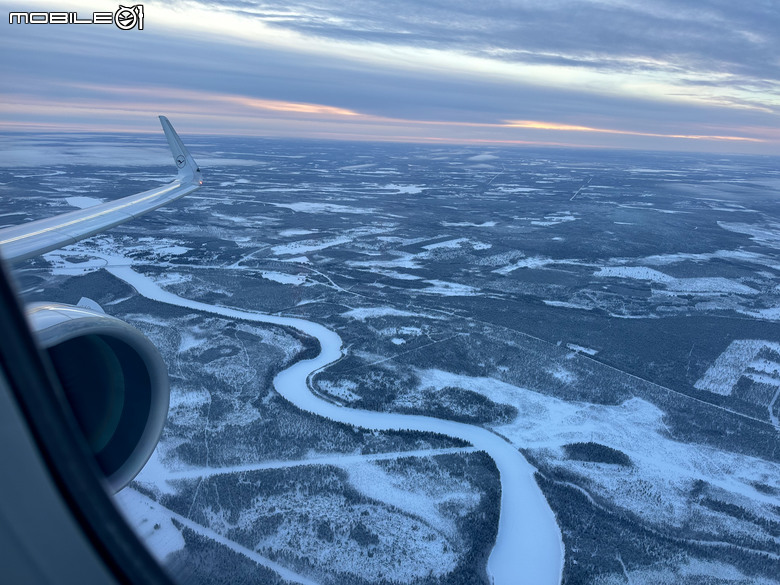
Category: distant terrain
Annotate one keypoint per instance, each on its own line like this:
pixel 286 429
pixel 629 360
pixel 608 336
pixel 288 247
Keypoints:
pixel 614 316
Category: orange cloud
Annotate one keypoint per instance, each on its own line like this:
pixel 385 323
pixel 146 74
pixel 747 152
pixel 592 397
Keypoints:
pixel 103 107
pixel 294 107
pixel 210 96
pixel 533 124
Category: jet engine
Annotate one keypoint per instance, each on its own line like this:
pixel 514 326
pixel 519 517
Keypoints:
pixel 114 380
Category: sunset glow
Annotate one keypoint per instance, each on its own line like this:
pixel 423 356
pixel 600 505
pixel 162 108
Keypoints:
pixel 297 70
pixel 572 128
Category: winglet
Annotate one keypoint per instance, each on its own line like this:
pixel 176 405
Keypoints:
pixel 188 168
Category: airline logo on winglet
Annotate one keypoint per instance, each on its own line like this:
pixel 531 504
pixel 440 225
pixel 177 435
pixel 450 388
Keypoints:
pixel 125 17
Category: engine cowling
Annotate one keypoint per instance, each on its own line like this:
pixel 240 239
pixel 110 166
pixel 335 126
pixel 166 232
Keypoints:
pixel 114 380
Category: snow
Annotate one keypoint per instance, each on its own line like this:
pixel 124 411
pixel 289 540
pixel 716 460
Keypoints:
pixel 741 354
pixel 468 224
pixel 406 549
pixel 528 534
pixel 314 458
pixel 407 331
pixel 406 189
pixel 240 220
pixel 61 265
pixel 520 189
pixel 189 341
pixel 283 278
pixel 566 305
pixel 679 257
pixel 343 391
pixel 171 250
pixel 771 314
pixel 24 152
pixel 393 489
pixel 636 272
pixel 405 260
pixel 364 313
pixel 357 167
pixel 667 468
pixel 458 243
pixel 768 234
pixel 705 285
pixel 581 349
pixel 398 275
pixel 553 219
pixel 297 260
pixel 295 232
pixel 136 503
pixel 151 522
pixel 562 374
pixel 306 246
pixel 449 289
pixel 532 262
pixel 692 571
pixel 311 207
pixel 448 244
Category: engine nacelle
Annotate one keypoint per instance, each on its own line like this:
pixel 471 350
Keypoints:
pixel 114 379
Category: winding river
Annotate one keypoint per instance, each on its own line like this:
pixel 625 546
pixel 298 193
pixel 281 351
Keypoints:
pixel 528 547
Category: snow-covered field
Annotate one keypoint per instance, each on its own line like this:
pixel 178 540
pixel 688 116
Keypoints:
pixel 723 375
pixel 498 287
pixel 657 488
pixel 527 532
pixel 714 285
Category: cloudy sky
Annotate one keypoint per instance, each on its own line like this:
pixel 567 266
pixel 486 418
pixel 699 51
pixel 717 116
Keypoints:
pixel 699 75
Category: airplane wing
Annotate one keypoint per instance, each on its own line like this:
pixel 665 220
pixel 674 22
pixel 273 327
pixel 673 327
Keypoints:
pixel 25 241
pixel 58 523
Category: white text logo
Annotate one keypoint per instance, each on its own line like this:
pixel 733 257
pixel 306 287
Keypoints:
pixel 125 17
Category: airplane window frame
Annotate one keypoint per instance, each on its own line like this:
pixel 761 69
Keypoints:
pixel 35 389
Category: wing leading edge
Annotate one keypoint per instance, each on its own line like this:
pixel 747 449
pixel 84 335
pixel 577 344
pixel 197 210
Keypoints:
pixel 25 241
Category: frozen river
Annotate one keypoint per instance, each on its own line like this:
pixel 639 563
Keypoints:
pixel 528 546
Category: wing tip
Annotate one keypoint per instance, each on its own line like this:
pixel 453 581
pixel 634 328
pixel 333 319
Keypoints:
pixel 189 170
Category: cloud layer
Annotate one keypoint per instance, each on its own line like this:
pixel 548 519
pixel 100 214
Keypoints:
pixel 671 75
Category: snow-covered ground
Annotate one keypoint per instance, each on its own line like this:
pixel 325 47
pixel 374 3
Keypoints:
pixel 657 488
pixel 528 534
pixel 710 285
pixel 723 375
pixel 364 313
